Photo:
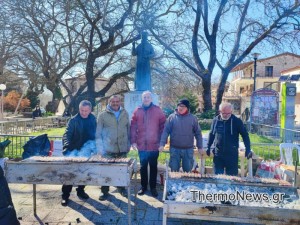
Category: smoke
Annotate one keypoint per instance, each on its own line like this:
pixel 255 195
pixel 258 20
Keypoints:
pixel 87 150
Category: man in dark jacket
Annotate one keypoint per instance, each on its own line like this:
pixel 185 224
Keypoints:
pixel 182 127
pixel 147 124
pixel 37 112
pixel 8 214
pixel 80 129
pixel 224 141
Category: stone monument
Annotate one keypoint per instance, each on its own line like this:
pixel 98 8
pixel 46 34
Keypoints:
pixel 142 82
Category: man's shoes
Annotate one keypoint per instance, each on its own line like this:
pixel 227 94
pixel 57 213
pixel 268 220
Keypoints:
pixel 154 192
pixel 103 196
pixel 82 195
pixel 64 202
pixel 142 191
pixel 123 192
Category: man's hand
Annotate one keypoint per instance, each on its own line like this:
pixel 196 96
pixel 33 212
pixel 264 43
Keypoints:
pixel 201 151
pixel 161 148
pixel 248 154
pixel 134 146
pixel 208 152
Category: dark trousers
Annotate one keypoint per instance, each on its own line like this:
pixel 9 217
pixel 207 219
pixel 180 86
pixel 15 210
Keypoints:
pixel 66 190
pixel 7 211
pixel 105 189
pixel 148 157
pixel 228 163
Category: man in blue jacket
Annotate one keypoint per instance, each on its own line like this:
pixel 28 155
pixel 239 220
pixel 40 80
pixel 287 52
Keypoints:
pixel 80 129
pixel 223 140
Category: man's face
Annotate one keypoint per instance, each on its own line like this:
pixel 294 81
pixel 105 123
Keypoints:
pixel 226 113
pixel 115 104
pixel 84 111
pixel 147 99
pixel 181 108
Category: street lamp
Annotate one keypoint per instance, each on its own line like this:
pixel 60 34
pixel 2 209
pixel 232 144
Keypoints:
pixel 255 56
pixel 2 88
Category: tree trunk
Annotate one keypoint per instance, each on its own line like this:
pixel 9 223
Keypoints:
pixel 221 89
pixel 206 84
pixel 90 94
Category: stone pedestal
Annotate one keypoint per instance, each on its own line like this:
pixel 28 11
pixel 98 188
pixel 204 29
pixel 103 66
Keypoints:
pixel 134 99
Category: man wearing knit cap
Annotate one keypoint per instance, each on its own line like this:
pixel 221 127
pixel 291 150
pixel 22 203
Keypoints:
pixel 223 140
pixel 182 127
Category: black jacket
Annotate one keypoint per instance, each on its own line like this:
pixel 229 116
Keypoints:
pixel 224 136
pixel 7 211
pixel 76 134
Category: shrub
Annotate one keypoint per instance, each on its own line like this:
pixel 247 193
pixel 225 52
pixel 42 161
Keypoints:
pixel 205 124
pixel 49 113
pixel 168 111
pixel 11 101
pixel 193 99
pixel 210 114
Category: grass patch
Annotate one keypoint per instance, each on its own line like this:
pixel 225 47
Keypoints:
pixel 50 132
pixel 254 138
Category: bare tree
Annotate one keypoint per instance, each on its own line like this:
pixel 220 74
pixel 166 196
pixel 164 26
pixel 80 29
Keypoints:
pixel 48 49
pixel 7 49
pixel 222 33
pixel 109 32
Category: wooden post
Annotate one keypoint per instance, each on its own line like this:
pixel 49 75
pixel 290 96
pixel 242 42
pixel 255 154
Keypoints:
pixel 250 174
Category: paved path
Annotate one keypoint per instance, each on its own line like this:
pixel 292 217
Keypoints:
pixel 92 211
pixel 114 211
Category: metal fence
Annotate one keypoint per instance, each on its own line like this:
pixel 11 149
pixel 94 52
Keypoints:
pixel 15 148
pixel 277 133
pixel 21 126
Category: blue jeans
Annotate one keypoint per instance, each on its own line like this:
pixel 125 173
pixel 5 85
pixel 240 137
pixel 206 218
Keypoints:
pixel 148 157
pixel 185 155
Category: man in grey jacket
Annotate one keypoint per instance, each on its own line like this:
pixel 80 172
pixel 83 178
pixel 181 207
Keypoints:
pixel 182 127
pixel 112 136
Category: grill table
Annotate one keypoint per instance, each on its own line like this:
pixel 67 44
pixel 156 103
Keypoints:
pixel 72 173
pixel 228 213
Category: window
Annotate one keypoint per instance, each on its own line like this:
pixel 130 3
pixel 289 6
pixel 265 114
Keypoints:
pixel 271 85
pixel 269 71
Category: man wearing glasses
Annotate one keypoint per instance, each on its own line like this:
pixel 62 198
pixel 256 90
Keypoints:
pixel 223 140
